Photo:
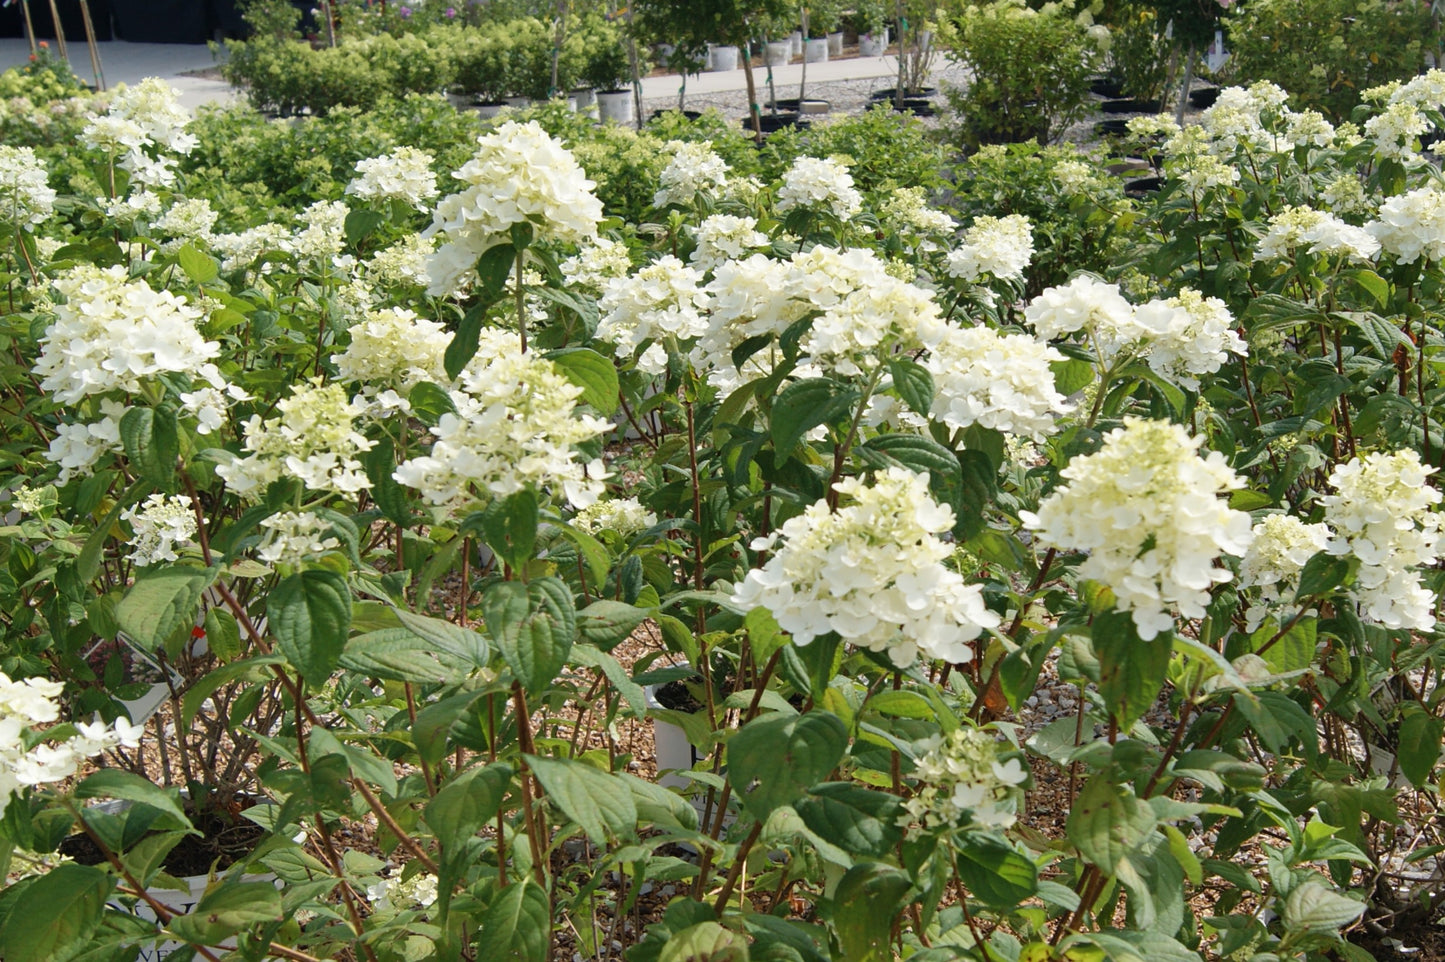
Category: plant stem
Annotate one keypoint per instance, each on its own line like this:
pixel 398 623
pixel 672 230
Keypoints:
pixel 521 301
pixel 737 868
pixel 524 741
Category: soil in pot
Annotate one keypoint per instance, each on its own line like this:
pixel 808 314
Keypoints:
pixel 1112 128
pixel 1106 87
pixel 676 696
pixel 774 122
pixel 225 838
pixel 1143 186
pixel 1130 105
pixel 920 106
pixel 888 94
pixel 1204 97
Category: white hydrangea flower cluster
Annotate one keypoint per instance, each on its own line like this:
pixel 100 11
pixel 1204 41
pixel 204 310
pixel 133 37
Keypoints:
pixel 1411 225
pixel 662 302
pixel 515 425
pixel 997 246
pixel 312 438
pixel 403 175
pixel 1318 232
pixel 624 517
pixel 1201 172
pixel 694 169
pixel 866 313
pixel 1233 122
pixel 294 537
pixel 78 447
pixel 393 348
pixel 417 892
pixel 188 220
pixel 962 782
pixel 321 233
pixel 520 175
pixel 999 381
pixel 873 572
pixel 1345 195
pixel 819 183
pixel 1308 128
pixel 1382 512
pixel 1282 544
pixel 725 237
pixel 144 125
pixel 403 264
pixel 597 263
pixel 906 211
pixel 1396 131
pixel 111 332
pixel 153 106
pixel 748 298
pixel 35 701
pixel 26 199
pixel 1187 336
pixel 1147 509
pixel 1426 91
pixel 158 527
pixel 1074 177
pixel 210 406
pixel 1084 304
pixel 240 250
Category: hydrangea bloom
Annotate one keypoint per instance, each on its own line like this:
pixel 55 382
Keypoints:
pixel 819 183
pixel 294 537
pixel 210 406
pixel 596 264
pixel 1425 91
pixel 312 438
pixel 871 571
pixel 1147 509
pixel 1202 172
pixel 520 175
pixel 1187 336
pixel 322 233
pixel 404 175
pixel 999 381
pixel 963 782
pixel 998 246
pixel 748 298
pixel 403 264
pixel 26 200
pixel 624 517
pixel 158 527
pixel 1085 303
pixel 393 348
pixel 662 301
pixel 694 169
pixel 1382 513
pixel 868 323
pixel 1396 131
pixel 724 237
pixel 1412 224
pixel 515 426
pixel 189 220
pixel 35 701
pixel 1282 544
pixel 906 210
pixel 1316 231
pixel 419 891
pixel 111 332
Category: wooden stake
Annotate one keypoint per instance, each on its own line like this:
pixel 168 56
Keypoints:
pixel 90 43
pixel 59 32
pixel 29 27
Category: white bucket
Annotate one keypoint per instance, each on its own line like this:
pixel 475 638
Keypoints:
pixel 835 44
pixel 723 59
pixel 615 106
pixel 778 53
pixel 871 46
pixel 816 51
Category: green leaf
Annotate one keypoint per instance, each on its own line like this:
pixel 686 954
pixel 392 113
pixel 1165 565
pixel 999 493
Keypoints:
pixel 467 803
pixel 867 900
pixel 913 383
pixel 774 759
pixel 1295 649
pixel 430 402
pixel 1072 375
pixel 516 925
pixel 593 373
pixel 1313 906
pixel 1107 823
pixel 1131 671
pixel 803 406
pixel 594 553
pixel 223 634
pixel 1420 737
pixel 509 527
pixel 310 614
pixel 534 626
pixel 923 455
pixel 607 624
pixel 114 783
pixel 705 942
pixel 463 644
pixel 398 655
pixel 199 267
pixel 360 223
pixel 901 704
pixel 1321 574
pixel 601 803
pixel 980 484
pixel 55 913
pixel 152 443
pixel 465 341
pixel 632 694
pixel 388 493
pixel 994 872
pixel 857 819
pixel 161 602
pixel 227 909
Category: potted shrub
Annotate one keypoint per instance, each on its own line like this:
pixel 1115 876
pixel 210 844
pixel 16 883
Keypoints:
pixel 607 68
pixel 870 19
pixel 1139 53
pixel 1031 70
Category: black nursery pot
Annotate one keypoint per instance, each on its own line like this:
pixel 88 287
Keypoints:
pixel 1143 186
pixel 1130 106
pixel 689 114
pixel 1112 128
pixel 1204 97
pixel 1107 87
pixel 773 122
pixel 922 93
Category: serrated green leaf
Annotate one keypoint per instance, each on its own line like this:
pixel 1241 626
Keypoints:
pixel 994 872
pixel 867 900
pixel 114 783
pixel 600 803
pixel 1313 906
pixel 161 602
pixel 199 267
pixel 774 759
pixel 1072 375
pixel 223 634
pixel 913 383
pixel 534 626
pixel 152 442
pixel 55 913
pixel 859 820
pixel 310 614
pixel 515 926
pixel 1131 671
pixel 1420 737
pixel 1321 574
pixel 607 623
pixel 593 373
pixel 467 803
pixel 360 223
pixel 802 406
pixel 228 908
pixel 1107 823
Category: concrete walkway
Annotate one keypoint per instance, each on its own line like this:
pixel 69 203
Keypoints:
pixel 129 63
